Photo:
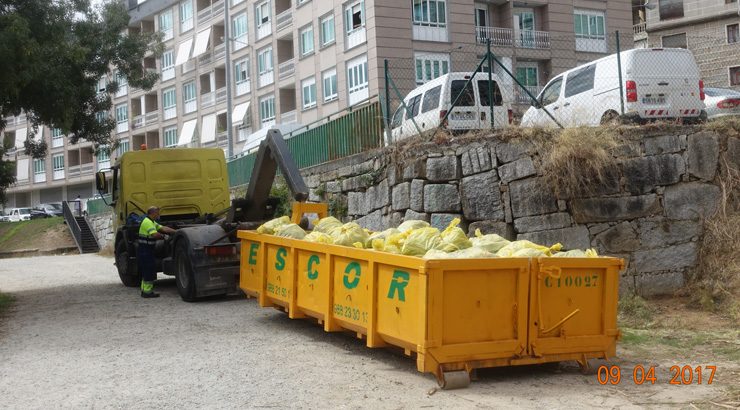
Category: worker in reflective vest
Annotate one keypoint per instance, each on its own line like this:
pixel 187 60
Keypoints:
pixel 149 232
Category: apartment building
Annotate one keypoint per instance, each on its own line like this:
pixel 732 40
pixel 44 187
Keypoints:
pixel 709 28
pixel 247 65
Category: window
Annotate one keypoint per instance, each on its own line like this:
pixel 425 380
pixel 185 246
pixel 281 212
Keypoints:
pixel 186 15
pixel 430 66
pixel 309 93
pixel 267 109
pixel 188 92
pixel 327 30
pixel 102 83
pixel 354 16
pixel 123 146
pixel 307 41
pixel 169 98
pixel 430 13
pixel 330 85
pixel 580 81
pixel 240 31
pixel 165 24
pixel 527 76
pixel 397 117
pixel 39 166
pixel 57 138
pixel 733 33
pixel 413 107
pixel 263 13
pixel 101 116
pixel 170 137
pixel 670 9
pixel 121 80
pixel 57 162
pixel 235 2
pixel 735 75
pixel 168 65
pixel 103 154
pixel 431 99
pixel 264 60
pixel 357 74
pixel 483 92
pixel 121 113
pixel 674 41
pixel 241 71
pixel 552 92
pixel 589 24
pixel 466 97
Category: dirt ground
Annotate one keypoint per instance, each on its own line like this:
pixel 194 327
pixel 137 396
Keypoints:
pixel 75 337
pixel 42 234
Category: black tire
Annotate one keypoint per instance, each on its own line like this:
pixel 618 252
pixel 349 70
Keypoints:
pixel 610 118
pixel 184 272
pixel 128 279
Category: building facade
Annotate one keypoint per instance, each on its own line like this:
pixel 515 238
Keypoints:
pixel 709 28
pixel 247 65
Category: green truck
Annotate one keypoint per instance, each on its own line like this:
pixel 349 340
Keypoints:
pixel 191 187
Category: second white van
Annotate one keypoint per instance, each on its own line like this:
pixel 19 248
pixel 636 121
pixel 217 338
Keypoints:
pixel 428 104
pixel 658 83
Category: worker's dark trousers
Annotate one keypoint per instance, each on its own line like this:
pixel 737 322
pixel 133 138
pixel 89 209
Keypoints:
pixel 147 267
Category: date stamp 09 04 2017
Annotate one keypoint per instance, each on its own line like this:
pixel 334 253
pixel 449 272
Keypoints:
pixel 679 375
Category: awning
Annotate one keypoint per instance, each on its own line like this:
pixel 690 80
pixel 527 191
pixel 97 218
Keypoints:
pixel 201 42
pixel 22 174
pixel 208 129
pixel 183 52
pixel 20 137
pixel 186 134
pixel 240 114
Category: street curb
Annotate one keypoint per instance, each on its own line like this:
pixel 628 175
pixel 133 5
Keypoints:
pixel 24 253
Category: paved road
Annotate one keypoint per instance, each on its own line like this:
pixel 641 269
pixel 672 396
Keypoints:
pixel 77 338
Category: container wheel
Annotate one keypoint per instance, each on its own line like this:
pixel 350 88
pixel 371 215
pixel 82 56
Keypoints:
pixel 184 273
pixel 457 379
pixel 129 279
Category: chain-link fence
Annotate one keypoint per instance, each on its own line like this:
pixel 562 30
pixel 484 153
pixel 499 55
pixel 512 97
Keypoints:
pixel 537 79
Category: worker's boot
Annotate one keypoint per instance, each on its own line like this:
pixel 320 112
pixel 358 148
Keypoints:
pixel 147 290
pixel 147 295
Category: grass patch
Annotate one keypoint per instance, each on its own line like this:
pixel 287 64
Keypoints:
pixel 24 233
pixel 634 312
pixel 5 302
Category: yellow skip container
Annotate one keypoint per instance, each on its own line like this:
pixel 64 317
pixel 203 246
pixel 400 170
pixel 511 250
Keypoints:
pixel 456 315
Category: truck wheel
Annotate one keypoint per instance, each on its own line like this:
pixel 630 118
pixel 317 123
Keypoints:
pixel 184 273
pixel 128 279
pixel 610 118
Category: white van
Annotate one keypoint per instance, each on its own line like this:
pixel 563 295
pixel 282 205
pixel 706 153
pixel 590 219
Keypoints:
pixel 19 214
pixel 658 83
pixel 428 104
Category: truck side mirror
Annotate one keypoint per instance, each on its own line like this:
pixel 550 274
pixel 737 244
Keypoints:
pixel 101 184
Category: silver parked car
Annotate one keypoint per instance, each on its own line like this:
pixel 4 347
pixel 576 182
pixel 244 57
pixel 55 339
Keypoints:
pixel 721 102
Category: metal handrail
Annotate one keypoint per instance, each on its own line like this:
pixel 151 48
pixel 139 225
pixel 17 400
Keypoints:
pixel 74 227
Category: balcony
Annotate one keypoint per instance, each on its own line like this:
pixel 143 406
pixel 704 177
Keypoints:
pixel 522 97
pixel 76 171
pixel 220 95
pixel 146 119
pixel 284 20
pixel 508 37
pixel 210 11
pixel 286 69
pixel 639 31
pixel 288 117
pixel 208 99
pixel 219 52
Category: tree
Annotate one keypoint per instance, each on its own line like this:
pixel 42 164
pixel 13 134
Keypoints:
pixel 52 55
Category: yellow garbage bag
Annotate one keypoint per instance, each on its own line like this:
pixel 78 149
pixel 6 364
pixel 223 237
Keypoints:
pixel 491 242
pixel 509 250
pixel 290 230
pixel 469 253
pixel 380 235
pixel 349 234
pixel 325 225
pixel 318 237
pixel 419 241
pixel 528 253
pixel 412 224
pixel 270 226
pixel 577 253
pixel 453 238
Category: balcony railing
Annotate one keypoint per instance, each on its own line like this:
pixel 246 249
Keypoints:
pixel 139 121
pixel 509 37
pixel 208 99
pixel 286 69
pixel 639 31
pixel 284 20
pixel 288 117
pixel 152 117
pixel 220 95
pixel 145 119
pixel 208 12
pixel 523 98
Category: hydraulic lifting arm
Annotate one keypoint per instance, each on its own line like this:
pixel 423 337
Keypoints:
pixel 273 153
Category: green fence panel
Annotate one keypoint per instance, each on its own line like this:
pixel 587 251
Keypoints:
pixel 98 206
pixel 240 169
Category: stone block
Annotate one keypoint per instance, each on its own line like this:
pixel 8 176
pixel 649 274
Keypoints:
pixel 703 153
pixel 531 197
pixel 519 169
pixel 691 200
pixel 333 186
pixel 595 229
pixel 643 174
pixel 664 144
pixel 357 182
pixel 400 200
pixel 615 209
pixel 443 169
pixel 498 227
pixel 481 198
pixel 733 152
pixel 381 196
pixel 440 221
pixel 620 238
pixel 665 259
pixel 542 222
pixel 627 149
pixel 372 221
pixel 412 215
pixel 313 196
pixel 511 151
pixel 416 201
pixel 572 238
pixel 355 204
pixel 441 198
pixel 659 232
pixel 659 283
pixel 416 169
pixel 476 160
pixel 393 175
